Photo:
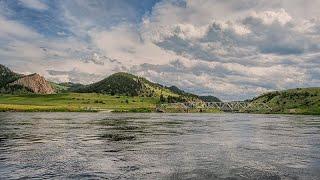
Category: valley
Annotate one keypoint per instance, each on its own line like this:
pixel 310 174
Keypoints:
pixel 124 92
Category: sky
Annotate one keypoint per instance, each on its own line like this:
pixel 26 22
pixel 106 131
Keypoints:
pixel 233 49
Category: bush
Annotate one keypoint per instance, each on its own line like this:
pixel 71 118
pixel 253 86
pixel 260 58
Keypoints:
pixel 99 102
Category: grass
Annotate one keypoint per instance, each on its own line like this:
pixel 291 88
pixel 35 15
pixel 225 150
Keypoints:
pixel 85 102
pixel 58 88
pixel 158 91
pixel 33 108
pixel 75 102
pixel 293 101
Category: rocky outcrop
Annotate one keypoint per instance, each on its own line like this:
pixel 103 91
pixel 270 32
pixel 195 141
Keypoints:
pixel 35 83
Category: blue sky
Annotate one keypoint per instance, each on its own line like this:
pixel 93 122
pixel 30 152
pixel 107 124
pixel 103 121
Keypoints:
pixel 233 49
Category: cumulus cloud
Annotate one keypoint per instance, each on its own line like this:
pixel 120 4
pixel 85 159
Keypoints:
pixel 34 4
pixel 73 75
pixel 267 33
pixel 226 80
pixel 234 49
pixel 27 51
pixel 13 29
pixel 127 45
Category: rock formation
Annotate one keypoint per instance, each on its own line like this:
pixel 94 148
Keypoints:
pixel 35 83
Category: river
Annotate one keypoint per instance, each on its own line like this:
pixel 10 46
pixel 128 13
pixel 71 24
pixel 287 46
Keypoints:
pixel 158 146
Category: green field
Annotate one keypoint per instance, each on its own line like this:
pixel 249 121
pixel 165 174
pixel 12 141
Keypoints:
pixel 85 102
pixel 76 102
pixel 294 101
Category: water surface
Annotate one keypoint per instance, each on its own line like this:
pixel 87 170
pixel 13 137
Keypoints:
pixel 158 146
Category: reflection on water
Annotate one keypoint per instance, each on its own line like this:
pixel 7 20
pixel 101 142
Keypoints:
pixel 159 146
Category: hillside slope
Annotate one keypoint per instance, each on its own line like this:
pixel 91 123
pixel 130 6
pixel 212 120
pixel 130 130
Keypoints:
pixel 65 87
pixel 293 101
pixel 130 85
pixel 209 99
pixel 121 84
pixel 7 76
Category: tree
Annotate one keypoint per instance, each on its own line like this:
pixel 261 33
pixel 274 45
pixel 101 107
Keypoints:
pixel 162 99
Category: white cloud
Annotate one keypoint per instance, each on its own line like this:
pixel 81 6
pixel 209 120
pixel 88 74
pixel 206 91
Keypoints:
pixel 34 4
pixel 124 44
pixel 234 49
pixel 14 29
pixel 28 51
pixel 227 80
pixel 269 17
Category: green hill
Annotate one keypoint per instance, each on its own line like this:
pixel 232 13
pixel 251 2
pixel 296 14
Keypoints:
pixel 120 84
pixel 293 101
pixel 7 76
pixel 130 85
pixel 66 87
pixel 181 92
pixel 209 99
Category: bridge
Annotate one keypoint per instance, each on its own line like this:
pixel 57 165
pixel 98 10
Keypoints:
pixel 234 106
pixel 238 106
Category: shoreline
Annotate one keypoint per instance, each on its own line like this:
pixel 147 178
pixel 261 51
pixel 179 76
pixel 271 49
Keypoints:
pixel 124 111
pixel 92 102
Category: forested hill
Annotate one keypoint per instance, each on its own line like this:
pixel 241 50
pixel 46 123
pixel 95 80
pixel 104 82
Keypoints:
pixel 130 85
pixel 209 99
pixel 117 84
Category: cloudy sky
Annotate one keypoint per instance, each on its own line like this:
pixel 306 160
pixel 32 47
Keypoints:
pixel 234 49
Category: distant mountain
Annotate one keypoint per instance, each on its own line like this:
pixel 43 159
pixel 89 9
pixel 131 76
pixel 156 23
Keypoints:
pixel 294 101
pixel 209 99
pixel 181 92
pixel 35 83
pixel 7 76
pixel 117 84
pixel 127 84
pixel 66 87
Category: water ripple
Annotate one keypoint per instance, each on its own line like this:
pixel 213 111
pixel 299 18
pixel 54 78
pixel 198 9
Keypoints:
pixel 158 146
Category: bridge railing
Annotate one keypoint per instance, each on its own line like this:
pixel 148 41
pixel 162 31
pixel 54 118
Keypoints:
pixel 223 106
pixel 239 106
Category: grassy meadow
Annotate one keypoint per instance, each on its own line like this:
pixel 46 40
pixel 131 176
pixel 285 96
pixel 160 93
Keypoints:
pixel 76 102
pixel 293 101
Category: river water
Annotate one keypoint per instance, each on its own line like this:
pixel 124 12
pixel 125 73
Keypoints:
pixel 158 146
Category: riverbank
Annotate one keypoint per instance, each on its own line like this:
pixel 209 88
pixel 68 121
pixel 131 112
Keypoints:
pixel 85 102
pixel 75 102
pixel 92 102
